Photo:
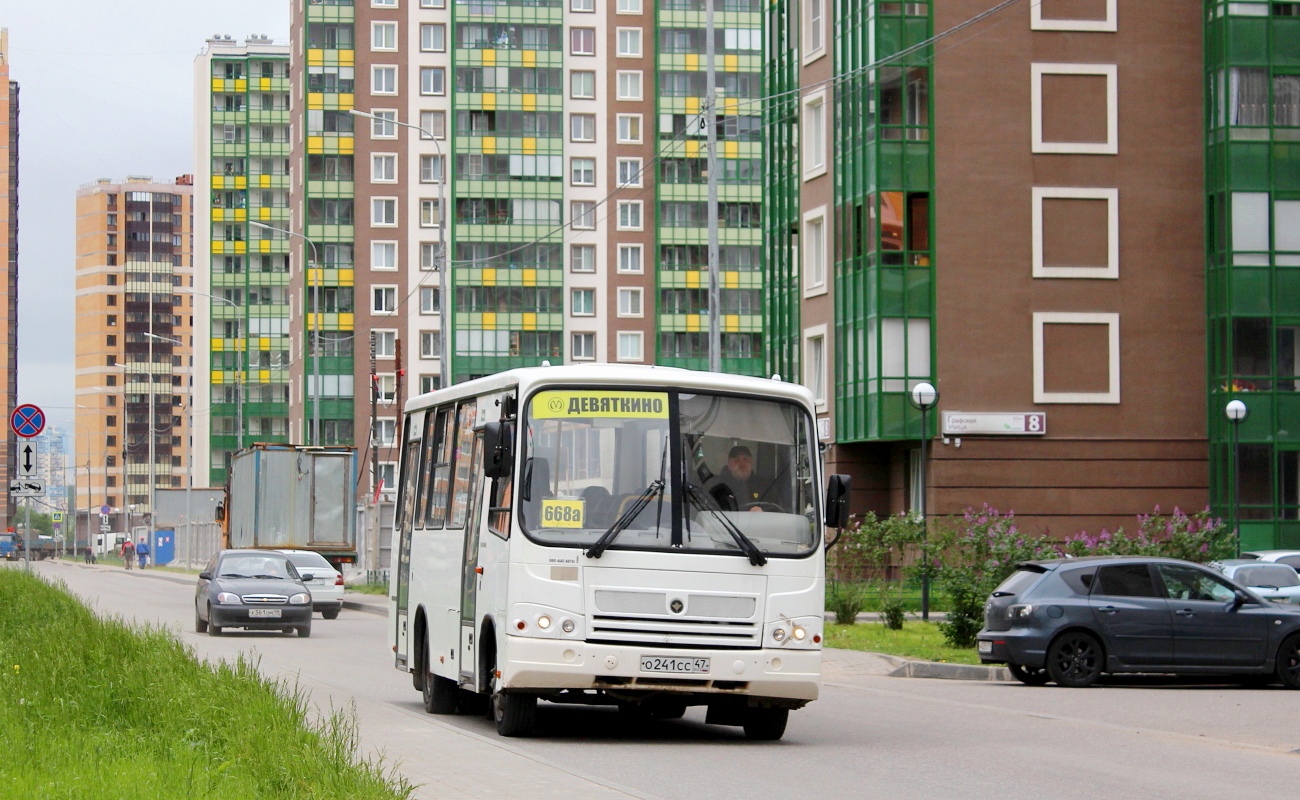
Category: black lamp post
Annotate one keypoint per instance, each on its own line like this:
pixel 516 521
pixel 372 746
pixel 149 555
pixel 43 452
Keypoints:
pixel 1237 412
pixel 924 397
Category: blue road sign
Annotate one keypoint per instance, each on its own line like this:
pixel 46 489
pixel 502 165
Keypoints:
pixel 27 421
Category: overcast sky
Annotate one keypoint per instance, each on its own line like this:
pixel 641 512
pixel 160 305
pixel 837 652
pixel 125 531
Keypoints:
pixel 106 92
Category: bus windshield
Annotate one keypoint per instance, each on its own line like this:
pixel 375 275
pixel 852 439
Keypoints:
pixel 668 470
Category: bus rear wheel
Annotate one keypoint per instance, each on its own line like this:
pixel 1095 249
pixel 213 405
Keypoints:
pixel 515 713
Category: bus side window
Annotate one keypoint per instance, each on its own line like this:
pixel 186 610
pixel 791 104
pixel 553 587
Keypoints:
pixel 440 474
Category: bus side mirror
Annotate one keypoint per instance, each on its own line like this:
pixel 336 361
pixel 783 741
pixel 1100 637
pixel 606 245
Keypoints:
pixel 498 449
pixel 837 501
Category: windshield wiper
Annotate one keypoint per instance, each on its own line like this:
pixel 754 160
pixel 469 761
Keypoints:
pixel 232 575
pixel 602 544
pixel 270 577
pixel 746 545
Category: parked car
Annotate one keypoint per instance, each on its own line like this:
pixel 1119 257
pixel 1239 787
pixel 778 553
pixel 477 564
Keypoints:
pixel 1289 557
pixel 326 583
pixel 1071 620
pixel 1271 581
pixel 252 589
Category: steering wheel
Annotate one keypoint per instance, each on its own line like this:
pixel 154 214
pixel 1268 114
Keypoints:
pixel 762 505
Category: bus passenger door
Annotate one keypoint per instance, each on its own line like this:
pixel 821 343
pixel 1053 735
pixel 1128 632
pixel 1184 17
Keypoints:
pixel 471 572
pixel 405 526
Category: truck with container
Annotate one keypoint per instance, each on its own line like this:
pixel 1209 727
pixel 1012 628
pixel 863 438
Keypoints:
pixel 293 497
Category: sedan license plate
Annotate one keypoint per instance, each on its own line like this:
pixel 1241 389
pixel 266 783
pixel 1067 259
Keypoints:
pixel 674 664
pixel 272 613
pixel 986 647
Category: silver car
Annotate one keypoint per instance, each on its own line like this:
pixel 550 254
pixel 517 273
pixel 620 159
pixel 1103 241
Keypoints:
pixel 326 584
pixel 1271 581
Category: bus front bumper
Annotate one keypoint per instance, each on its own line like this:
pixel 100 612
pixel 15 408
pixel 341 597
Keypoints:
pixel 543 664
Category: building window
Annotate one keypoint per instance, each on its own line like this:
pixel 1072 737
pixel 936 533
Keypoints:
pixel 433 125
pixel 629 42
pixel 383 3
pixel 383 80
pixel 582 258
pixel 584 214
pixel 1075 108
pixel 630 346
pixel 430 344
pixel 582 5
pixel 583 346
pixel 582 171
pixel 1108 23
pixel 583 302
pixel 814 368
pixel 629 302
pixel 433 81
pixel 383 299
pixel 385 431
pixel 428 255
pixel 629 128
pixel 814 25
pixel 814 252
pixel 433 38
pixel 383 211
pixel 582 85
pixel 813 135
pixel 629 84
pixel 430 300
pixel 430 169
pixel 384 126
pixel 582 41
pixel 629 215
pixel 433 3
pixel 629 6
pixel 1073 364
pixel 629 259
pixel 1075 233
pixel 629 172
pixel 429 383
pixel 383 36
pixel 385 343
pixel 383 168
pixel 582 127
pixel 430 213
pixel 383 255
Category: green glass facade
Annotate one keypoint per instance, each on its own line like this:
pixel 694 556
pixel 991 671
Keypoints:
pixel 1252 73
pixel 249 275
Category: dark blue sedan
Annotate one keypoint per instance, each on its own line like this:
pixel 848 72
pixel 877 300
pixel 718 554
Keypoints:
pixel 256 590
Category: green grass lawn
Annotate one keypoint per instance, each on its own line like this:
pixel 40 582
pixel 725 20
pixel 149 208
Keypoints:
pixel 916 640
pixel 369 588
pixel 92 707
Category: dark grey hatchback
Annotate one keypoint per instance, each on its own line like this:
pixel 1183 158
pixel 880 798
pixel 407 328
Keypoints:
pixel 1072 620
pixel 257 590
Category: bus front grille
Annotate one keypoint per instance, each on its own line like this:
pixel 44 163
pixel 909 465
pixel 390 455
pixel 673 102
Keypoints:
pixel 657 631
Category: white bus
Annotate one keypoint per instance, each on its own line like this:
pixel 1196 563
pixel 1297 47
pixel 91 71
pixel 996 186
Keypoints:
pixel 573 534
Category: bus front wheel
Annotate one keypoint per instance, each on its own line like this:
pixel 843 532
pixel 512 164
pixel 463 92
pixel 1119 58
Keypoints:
pixel 766 724
pixel 515 713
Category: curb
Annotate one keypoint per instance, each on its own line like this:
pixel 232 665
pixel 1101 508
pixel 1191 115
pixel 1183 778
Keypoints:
pixel 952 672
pixel 369 608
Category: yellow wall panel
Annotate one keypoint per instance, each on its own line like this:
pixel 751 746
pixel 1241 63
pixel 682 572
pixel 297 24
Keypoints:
pixel 315 145
pixel 731 105
pixel 346 58
pixel 241 248
pixel 218 246
pixel 315 101
pixel 315 57
pixel 731 149
pixel 489 102
pixel 489 58
pixel 530 146
pixel 489 277
pixel 731 323
pixel 530 277
pixel 693 323
pixel 692 148
pixel 489 145
pixel 264 181
pixel 264 84
pixel 530 58
pixel 530 102
pixel 530 321
pixel 241 181
pixel 489 321
pixel 730 63
pixel 692 62
pixel 731 280
pixel 347 277
pixel 218 86
pixel 693 280
pixel 347 100
pixel 692 105
pixel 218 181
pixel 241 85
pixel 264 246
pixel 241 214
pixel 347 322
pixel 218 214
pixel 264 212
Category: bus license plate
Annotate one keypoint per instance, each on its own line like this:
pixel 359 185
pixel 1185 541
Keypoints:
pixel 674 664
pixel 273 613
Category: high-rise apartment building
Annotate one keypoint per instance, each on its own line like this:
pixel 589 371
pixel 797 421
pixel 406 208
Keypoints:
pixel 241 285
pixel 9 258
pixel 134 327
pixel 559 147
pixel 1014 214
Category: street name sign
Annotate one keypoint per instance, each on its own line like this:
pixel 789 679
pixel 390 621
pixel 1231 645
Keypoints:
pixel 967 423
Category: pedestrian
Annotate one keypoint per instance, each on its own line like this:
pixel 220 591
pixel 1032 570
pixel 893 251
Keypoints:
pixel 142 552
pixel 128 553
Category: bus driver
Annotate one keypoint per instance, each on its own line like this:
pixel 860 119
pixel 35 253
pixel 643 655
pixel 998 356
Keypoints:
pixel 738 476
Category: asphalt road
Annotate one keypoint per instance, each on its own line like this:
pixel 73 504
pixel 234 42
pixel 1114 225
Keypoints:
pixel 869 736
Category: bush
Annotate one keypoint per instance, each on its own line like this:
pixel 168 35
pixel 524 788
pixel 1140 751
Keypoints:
pixel 891 614
pixel 845 600
pixel 1198 537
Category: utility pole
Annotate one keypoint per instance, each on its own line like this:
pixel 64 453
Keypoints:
pixel 374 417
pixel 711 133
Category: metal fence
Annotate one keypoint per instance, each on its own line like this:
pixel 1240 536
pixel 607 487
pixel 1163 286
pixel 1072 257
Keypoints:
pixel 196 543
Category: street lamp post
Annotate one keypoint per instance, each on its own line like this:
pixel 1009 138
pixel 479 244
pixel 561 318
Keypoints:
pixel 314 437
pixel 924 397
pixel 442 265
pixel 239 371
pixel 1236 412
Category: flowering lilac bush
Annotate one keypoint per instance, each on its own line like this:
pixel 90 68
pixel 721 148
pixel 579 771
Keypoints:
pixel 1196 537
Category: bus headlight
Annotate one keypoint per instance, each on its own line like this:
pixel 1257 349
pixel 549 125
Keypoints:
pixel 800 633
pixel 778 634
pixel 544 622
pixel 567 626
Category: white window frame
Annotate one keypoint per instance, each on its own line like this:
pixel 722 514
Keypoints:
pixel 628 75
pixel 433 3
pixel 625 210
pixel 582 171
pixel 427 30
pixel 629 7
pixel 588 123
pixel 386 380
pixel 590 216
pixel 575 262
pixel 589 310
pixel 1108 25
pixel 588 74
pixel 1111 321
pixel 812 33
pixel 379 36
pixel 426 124
pixel 375 293
pixel 1111 73
pixel 630 172
pixel 815 281
pixel 813 143
pixel 375 205
pixel 383 79
pixel 631 302
pixel 383 167
pixel 428 219
pixel 376 246
pixel 635 341
pixel 429 293
pixel 573 351
pixel 384 125
pixel 428 173
pixel 815 375
pixel 385 342
pixel 1111 196
pixel 428 255
pixel 427 81
pixel 635 36
pixel 385 431
pixel 383 3
pixel 583 33
pixel 629 121
pixel 431 337
pixel 583 6
pixel 625 257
